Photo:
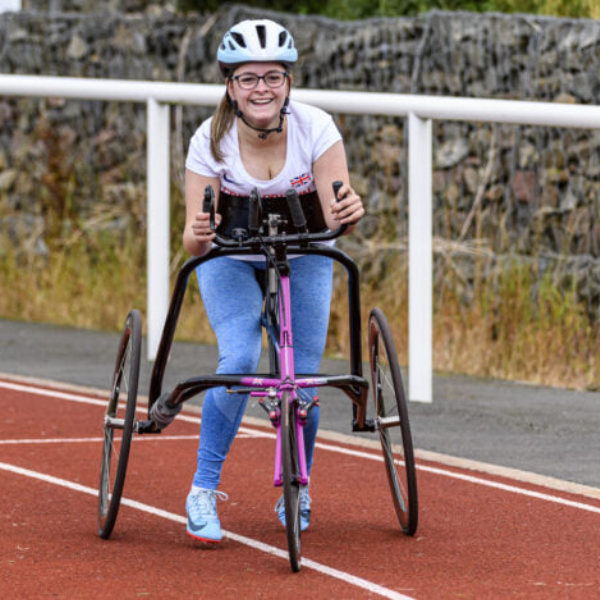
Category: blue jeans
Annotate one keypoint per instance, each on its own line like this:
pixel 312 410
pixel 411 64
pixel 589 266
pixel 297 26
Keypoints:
pixel 233 301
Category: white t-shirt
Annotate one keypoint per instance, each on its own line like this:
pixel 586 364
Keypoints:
pixel 310 132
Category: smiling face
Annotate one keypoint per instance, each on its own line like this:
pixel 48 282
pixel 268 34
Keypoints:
pixel 261 105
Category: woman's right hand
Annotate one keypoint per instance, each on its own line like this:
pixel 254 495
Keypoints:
pixel 199 238
pixel 201 226
pixel 197 234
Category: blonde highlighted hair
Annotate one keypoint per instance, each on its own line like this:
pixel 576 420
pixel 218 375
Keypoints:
pixel 220 125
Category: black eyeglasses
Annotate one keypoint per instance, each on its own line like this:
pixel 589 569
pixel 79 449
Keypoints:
pixel 272 79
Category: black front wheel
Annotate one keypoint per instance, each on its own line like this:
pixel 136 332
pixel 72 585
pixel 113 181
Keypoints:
pixel 291 480
pixel 391 420
pixel 119 417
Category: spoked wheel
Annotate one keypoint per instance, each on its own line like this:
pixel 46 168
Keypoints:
pixel 391 419
pixel 119 416
pixel 291 480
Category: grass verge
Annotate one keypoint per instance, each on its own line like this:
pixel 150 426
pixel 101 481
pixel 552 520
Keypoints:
pixel 506 332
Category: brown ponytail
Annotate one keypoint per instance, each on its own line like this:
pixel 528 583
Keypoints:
pixel 221 124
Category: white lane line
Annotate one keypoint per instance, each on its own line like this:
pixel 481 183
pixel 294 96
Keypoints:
pixel 347 451
pixel 17 387
pixel 513 489
pixel 51 441
pixel 94 440
pixel 252 543
pixel 469 478
pixel 28 389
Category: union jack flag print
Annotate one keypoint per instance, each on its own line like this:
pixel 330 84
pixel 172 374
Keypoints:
pixel 301 180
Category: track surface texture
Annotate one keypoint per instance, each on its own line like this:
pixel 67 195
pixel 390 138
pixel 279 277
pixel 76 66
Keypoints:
pixel 484 532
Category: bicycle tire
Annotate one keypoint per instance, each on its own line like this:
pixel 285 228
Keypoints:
pixel 291 480
pixel 391 417
pixel 115 452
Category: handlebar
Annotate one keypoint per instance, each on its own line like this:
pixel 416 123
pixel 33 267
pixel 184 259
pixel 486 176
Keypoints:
pixel 254 238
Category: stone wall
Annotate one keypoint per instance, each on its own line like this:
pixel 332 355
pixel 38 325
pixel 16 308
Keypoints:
pixel 500 192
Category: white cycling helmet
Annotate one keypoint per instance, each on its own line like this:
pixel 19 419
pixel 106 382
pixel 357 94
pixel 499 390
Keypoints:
pixel 260 40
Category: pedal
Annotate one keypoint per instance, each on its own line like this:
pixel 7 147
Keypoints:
pixel 146 427
pixel 163 412
pixel 368 426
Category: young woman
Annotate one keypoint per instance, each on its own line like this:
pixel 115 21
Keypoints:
pixel 258 138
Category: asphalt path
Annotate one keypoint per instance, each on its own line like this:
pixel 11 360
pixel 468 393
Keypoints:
pixel 548 431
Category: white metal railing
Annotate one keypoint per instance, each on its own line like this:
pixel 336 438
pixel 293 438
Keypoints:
pixel 420 110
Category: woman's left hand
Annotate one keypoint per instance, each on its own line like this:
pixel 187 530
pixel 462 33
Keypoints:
pixel 348 208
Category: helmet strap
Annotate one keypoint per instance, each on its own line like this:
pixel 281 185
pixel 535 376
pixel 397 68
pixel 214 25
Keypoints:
pixel 264 131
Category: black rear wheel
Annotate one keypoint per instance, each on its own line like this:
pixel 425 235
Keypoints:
pixel 391 419
pixel 119 416
pixel 291 480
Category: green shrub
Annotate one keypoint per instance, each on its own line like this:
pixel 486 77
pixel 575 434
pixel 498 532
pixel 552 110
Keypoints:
pixel 361 9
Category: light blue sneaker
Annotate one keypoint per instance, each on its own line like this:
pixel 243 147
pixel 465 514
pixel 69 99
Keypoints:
pixel 305 501
pixel 203 523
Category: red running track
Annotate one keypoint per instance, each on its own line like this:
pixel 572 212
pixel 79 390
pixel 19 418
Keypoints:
pixel 481 535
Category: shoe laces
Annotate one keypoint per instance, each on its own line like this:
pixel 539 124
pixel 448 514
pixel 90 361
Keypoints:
pixel 205 501
pixel 305 499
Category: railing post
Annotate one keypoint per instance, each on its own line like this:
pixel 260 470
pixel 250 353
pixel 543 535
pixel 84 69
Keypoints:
pixel 420 260
pixel 158 210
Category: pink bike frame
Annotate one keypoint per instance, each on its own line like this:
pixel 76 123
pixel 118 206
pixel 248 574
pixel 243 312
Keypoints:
pixel 285 383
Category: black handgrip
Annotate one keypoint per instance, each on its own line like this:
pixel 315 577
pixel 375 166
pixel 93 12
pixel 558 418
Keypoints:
pixel 254 212
pixel 336 188
pixel 336 185
pixel 293 202
pixel 208 204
